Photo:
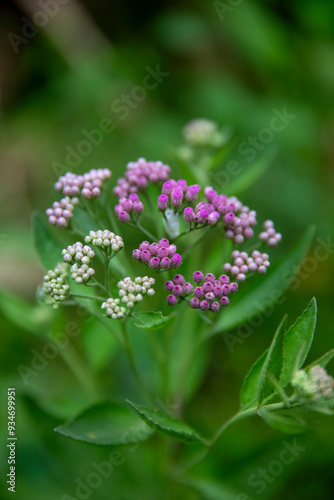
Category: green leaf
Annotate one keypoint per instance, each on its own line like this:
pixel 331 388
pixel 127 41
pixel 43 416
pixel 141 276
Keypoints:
pixel 166 425
pixel 283 422
pixel 47 246
pixel 265 290
pixel 107 424
pixel 297 342
pixel 99 344
pixel 150 320
pixel 323 360
pixel 273 363
pixel 33 319
pixel 248 394
pixel 210 490
pixel 251 173
pixel 82 223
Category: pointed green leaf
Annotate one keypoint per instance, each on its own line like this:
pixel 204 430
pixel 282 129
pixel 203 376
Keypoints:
pixel 106 424
pixel 265 290
pixel 248 394
pixel 150 320
pixel 323 360
pixel 283 422
pixel 273 363
pixel 251 173
pixel 47 246
pixel 297 342
pixel 166 425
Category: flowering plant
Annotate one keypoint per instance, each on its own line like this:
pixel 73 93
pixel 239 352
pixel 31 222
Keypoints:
pixel 176 258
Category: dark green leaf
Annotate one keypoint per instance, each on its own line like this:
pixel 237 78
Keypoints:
pixel 106 424
pixel 251 173
pixel 283 422
pixel 273 363
pixel 211 490
pixel 297 342
pixel 323 360
pixel 82 223
pixel 166 425
pixel 150 320
pixel 248 394
pixel 265 289
pixel 47 246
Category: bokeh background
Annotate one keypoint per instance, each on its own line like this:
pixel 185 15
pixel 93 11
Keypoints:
pixel 232 62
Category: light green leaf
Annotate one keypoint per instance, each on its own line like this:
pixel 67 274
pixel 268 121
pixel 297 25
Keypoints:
pixel 251 173
pixel 99 344
pixel 33 319
pixel 297 342
pixel 107 424
pixel 323 360
pixel 266 289
pixel 150 320
pixel 248 394
pixel 47 246
pixel 82 223
pixel 287 423
pixel 273 363
pixel 166 425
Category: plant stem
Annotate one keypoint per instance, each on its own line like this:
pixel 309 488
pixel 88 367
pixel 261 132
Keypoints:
pixel 131 358
pixel 142 229
pixel 238 416
pixel 106 271
pixel 90 297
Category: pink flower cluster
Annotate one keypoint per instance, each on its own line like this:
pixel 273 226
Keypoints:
pixel 210 296
pixel 138 174
pixel 175 193
pixel 269 235
pixel 243 264
pixel 128 206
pixel 61 211
pixel 238 218
pixel 158 256
pixel 89 184
pixel 204 213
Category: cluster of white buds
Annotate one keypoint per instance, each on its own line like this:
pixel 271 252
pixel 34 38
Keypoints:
pixel 79 256
pixel 133 291
pixel 113 308
pixel 130 293
pixel 54 284
pixel 269 235
pixel 314 384
pixel 203 132
pixel 105 239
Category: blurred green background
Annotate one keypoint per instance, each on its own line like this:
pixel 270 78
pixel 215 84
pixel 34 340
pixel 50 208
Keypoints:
pixel 232 62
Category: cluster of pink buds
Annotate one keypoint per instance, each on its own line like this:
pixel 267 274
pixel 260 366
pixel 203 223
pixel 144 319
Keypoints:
pixel 209 296
pixel 243 264
pixel 138 174
pixel 61 211
pixel 89 184
pixel 128 206
pixel 204 213
pixel 269 235
pixel 175 193
pixel 158 256
pixel 239 220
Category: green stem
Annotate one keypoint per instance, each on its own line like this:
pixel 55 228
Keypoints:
pixel 106 271
pixel 142 229
pixel 90 297
pixel 96 283
pixel 128 350
pixel 196 242
pixel 239 416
